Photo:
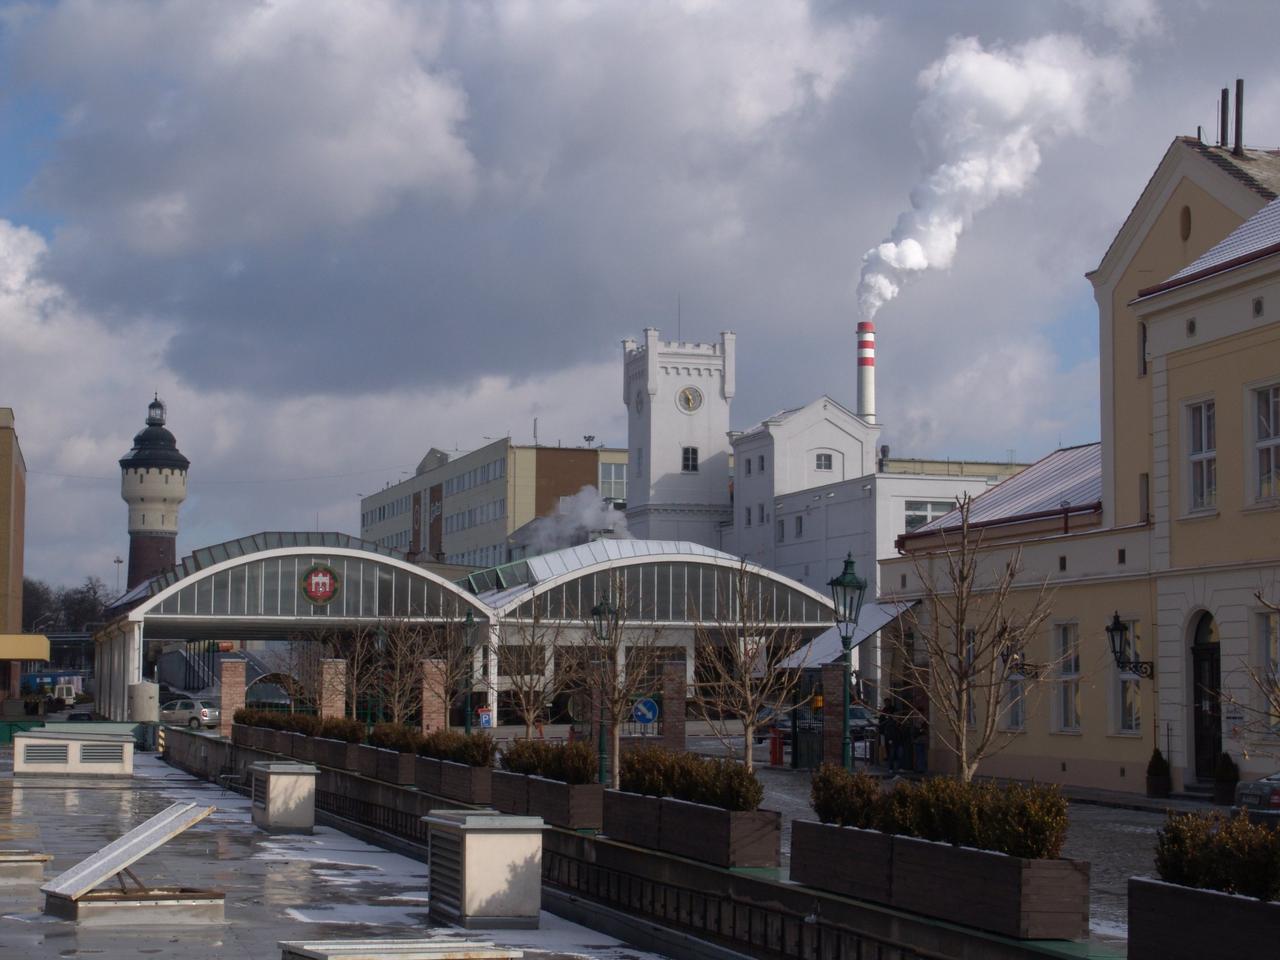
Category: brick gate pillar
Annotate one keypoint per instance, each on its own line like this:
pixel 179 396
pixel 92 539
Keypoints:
pixel 435 707
pixel 832 704
pixel 231 679
pixel 333 688
pixel 675 690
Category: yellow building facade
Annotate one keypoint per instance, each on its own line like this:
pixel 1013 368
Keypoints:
pixel 1180 534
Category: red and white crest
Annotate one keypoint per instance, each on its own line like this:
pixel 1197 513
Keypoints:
pixel 320 584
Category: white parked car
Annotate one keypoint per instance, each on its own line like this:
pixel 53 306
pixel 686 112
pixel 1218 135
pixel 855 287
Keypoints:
pixel 191 713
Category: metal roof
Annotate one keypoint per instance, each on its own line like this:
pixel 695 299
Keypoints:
pixel 1254 238
pixel 1071 476
pixel 827 647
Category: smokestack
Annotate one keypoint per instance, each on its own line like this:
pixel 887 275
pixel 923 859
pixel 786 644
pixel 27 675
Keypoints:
pixel 1222 117
pixel 867 370
pixel 1239 147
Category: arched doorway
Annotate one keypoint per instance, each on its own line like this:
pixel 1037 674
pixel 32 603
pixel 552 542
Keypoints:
pixel 1206 685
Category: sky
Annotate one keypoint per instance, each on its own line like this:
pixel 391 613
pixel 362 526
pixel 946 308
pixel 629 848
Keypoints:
pixel 332 235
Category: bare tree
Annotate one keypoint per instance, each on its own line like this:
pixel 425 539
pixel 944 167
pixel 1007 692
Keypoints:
pixel 1260 713
pixel 359 646
pixel 404 646
pixel 965 644
pixel 618 662
pixel 739 662
pixel 537 666
pixel 297 665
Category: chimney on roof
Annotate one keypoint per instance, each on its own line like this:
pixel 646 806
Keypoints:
pixel 867 371
pixel 1239 147
pixel 1222 117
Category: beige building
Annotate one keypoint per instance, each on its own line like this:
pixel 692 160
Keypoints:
pixel 463 509
pixel 1173 520
pixel 13 501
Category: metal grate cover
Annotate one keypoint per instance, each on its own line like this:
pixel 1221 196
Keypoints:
pixel 101 753
pixel 444 878
pixel 44 753
pixel 259 790
pixel 133 846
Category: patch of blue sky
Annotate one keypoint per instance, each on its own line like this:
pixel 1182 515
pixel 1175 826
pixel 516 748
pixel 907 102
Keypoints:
pixel 28 133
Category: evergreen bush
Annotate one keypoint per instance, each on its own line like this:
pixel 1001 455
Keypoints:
pixel 524 756
pixel 395 736
pixel 573 763
pixel 342 728
pixel 1216 852
pixel 685 776
pixel 1158 766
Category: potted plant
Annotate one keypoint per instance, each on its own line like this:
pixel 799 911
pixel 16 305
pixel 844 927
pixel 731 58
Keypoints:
pixel 336 741
pixel 1225 777
pixel 1215 896
pixel 978 854
pixel 519 760
pixel 466 773
pixel 633 814
pixel 564 792
pixel 1159 775
pixel 711 813
pixel 397 746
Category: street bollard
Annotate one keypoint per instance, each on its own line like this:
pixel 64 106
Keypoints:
pixel 775 748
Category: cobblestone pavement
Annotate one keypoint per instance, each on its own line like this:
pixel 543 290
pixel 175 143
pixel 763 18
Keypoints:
pixel 1118 843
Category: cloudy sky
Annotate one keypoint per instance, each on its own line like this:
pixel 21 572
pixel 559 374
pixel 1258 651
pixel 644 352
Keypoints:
pixel 333 234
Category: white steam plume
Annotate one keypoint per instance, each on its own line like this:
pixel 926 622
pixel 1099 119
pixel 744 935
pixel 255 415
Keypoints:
pixel 576 520
pixel 985 115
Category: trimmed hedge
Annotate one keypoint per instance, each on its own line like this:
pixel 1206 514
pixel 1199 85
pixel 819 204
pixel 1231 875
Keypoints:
pixel 1217 852
pixel 572 763
pixel 724 783
pixel 1021 820
pixel 394 736
pixel 476 750
pixel 275 720
pixel 342 728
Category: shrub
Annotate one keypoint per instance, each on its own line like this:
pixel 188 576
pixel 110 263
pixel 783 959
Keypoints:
pixel 304 723
pixel 1021 820
pixel 440 744
pixel 476 750
pixel 685 776
pixel 1158 766
pixel 342 728
pixel 1215 852
pixel 525 756
pixel 646 770
pixel 1225 770
pixel 573 763
pixel 394 736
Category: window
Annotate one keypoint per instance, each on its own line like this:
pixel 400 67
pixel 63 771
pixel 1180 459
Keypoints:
pixel 1203 456
pixel 760 463
pixel 782 530
pixel 639 461
pixel 1067 702
pixel 1267 445
pixel 799 526
pixel 1128 689
pixel 748 466
pixel 823 461
pixel 760 513
pixel 689 460
pixel 613 481
pixel 747 514
pixel 1144 498
pixel 1015 704
pixel 521 660
pixel 920 512
pixel 1142 349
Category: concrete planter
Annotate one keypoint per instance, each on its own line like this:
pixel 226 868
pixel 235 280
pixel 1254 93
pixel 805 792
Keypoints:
pixel 302 747
pixel 1171 921
pixel 574 806
pixel 1029 899
pixel 727 838
pixel 395 767
pixel 632 818
pixel 333 753
pixel 426 775
pixel 844 860
pixel 510 792
pixel 276 741
pixel 465 783
pixel 367 761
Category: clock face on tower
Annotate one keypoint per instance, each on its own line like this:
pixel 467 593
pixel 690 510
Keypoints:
pixel 689 399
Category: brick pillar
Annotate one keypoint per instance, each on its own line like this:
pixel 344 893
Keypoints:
pixel 832 704
pixel 435 709
pixel 675 689
pixel 333 688
pixel 231 679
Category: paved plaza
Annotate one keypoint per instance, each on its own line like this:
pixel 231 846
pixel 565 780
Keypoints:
pixel 326 886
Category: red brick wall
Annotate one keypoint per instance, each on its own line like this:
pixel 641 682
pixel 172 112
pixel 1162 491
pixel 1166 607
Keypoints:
pixel 435 713
pixel 675 689
pixel 833 703
pixel 333 688
pixel 231 676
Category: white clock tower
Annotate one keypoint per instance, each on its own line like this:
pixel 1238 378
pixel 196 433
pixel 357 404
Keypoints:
pixel 678 397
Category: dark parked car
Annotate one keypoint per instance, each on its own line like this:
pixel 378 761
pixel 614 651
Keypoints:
pixel 1260 798
pixel 767 722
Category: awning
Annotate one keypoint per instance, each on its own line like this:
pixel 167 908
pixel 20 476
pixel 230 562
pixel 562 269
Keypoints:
pixel 826 648
pixel 24 646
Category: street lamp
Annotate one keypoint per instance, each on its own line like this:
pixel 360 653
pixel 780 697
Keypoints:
pixel 847 592
pixel 468 644
pixel 603 616
pixel 1117 633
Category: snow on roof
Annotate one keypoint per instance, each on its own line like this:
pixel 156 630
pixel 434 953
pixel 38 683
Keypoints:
pixel 1253 239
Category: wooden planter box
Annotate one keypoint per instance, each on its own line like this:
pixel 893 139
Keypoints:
pixel 844 860
pixel 575 806
pixel 726 838
pixel 395 767
pixel 276 741
pixel 510 792
pixel 426 775
pixel 1029 899
pixel 332 753
pixel 241 735
pixel 1167 922
pixel 367 761
pixel 301 747
pixel 632 818
pixel 465 783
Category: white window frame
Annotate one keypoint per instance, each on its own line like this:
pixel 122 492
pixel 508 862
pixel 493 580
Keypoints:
pixel 1268 659
pixel 818 462
pixel 799 526
pixel 748 516
pixel 1266 441
pixel 760 518
pixel 748 462
pixel 1202 456
pixel 1013 717
pixel 685 459
pixel 781 535
pixel 1066 694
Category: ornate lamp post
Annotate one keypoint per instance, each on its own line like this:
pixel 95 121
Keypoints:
pixel 603 616
pixel 847 592
pixel 1118 633
pixel 468 644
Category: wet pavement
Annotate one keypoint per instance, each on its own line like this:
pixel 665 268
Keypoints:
pixel 327 886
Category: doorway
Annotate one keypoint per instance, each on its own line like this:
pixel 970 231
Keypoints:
pixel 1206 685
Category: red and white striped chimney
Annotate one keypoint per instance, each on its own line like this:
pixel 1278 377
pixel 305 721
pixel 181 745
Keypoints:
pixel 867 370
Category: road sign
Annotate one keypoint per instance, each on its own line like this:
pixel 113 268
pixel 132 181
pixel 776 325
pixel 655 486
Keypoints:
pixel 486 718
pixel 645 711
